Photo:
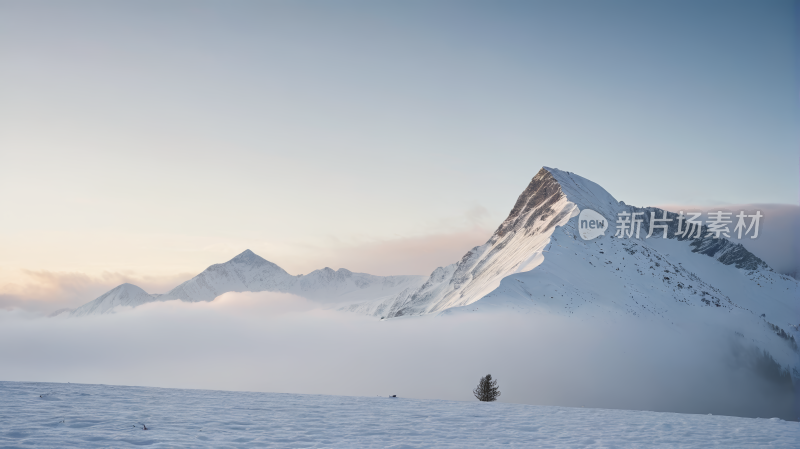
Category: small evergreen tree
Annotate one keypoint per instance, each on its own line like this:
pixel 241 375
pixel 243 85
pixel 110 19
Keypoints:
pixel 487 390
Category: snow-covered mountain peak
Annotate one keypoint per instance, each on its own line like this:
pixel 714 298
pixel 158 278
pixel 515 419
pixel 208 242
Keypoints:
pixel 517 245
pixel 545 217
pixel 248 257
pixel 548 189
pixel 535 201
pixel 583 192
pixel 121 295
pixel 328 274
pixel 249 272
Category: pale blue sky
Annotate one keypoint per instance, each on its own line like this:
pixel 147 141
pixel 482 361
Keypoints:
pixel 160 137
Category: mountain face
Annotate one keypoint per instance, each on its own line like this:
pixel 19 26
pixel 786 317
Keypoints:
pixel 123 295
pixel 249 272
pixel 516 246
pixel 246 272
pixel 543 216
pixel 536 262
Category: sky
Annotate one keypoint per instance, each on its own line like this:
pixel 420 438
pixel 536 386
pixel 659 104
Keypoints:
pixel 144 141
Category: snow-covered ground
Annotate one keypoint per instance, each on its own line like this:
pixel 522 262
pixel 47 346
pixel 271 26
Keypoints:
pixel 77 415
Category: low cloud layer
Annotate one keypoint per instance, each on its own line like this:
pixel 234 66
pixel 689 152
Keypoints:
pixel 282 343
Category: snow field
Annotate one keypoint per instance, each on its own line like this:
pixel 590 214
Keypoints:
pixel 90 416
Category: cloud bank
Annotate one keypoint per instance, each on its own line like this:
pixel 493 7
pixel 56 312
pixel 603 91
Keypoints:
pixel 282 343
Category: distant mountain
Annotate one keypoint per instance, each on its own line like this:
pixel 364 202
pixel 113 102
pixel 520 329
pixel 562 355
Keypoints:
pixel 246 272
pixel 122 295
pixel 249 272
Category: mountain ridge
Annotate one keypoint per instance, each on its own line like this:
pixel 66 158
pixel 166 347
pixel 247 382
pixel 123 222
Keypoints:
pixel 551 199
pixel 249 272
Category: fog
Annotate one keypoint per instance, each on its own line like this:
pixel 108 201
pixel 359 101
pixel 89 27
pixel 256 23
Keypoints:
pixel 282 343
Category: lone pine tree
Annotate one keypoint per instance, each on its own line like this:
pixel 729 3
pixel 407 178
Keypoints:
pixel 487 390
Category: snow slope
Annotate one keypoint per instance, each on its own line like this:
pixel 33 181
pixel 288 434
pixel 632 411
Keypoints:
pixel 89 416
pixel 127 295
pixel 249 272
pixel 517 245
